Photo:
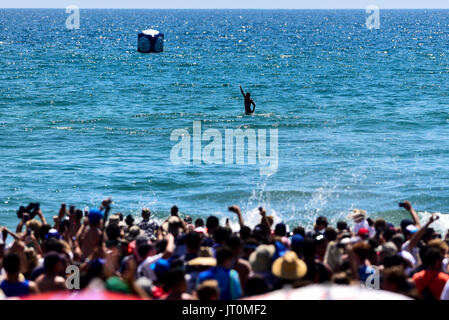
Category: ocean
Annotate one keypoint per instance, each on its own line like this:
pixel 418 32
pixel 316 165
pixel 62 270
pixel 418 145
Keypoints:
pixel 362 116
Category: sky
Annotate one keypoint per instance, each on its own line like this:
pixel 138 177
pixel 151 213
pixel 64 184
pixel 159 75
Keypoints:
pixel 218 4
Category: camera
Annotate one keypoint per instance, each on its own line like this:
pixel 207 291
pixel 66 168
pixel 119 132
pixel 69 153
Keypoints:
pixel 31 209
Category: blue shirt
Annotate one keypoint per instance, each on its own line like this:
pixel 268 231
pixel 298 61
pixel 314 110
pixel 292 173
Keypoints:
pixel 228 282
pixel 15 289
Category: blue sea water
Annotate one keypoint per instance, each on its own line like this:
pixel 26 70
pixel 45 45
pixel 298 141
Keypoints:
pixel 362 115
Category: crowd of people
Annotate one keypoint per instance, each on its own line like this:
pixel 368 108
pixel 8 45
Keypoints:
pixel 183 259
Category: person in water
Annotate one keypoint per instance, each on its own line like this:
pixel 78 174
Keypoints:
pixel 248 102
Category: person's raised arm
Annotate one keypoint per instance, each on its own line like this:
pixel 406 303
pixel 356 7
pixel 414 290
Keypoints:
pixel 238 212
pixel 408 206
pixel 420 233
pixel 6 231
pixel 170 248
pixel 241 90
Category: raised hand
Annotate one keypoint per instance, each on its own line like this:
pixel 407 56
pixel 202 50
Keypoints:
pixel 234 209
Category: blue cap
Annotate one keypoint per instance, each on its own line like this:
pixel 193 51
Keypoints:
pixel 53 233
pixel 95 215
pixel 161 266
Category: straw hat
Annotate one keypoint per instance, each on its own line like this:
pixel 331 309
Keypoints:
pixel 289 267
pixel 134 232
pixel 357 215
pixel 260 259
pixel 113 220
pixel 204 259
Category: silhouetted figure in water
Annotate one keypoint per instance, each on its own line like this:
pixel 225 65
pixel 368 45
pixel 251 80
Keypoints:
pixel 248 102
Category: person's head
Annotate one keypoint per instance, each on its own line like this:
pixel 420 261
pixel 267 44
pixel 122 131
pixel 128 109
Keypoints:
pixel 433 258
pixel 193 242
pixel 188 219
pixel 342 226
pixel 357 215
pixel 300 230
pixel 362 250
pixel 52 244
pixel 289 267
pixel 144 247
pixel 235 244
pixel 146 213
pixel 245 232
pixel 393 260
pixel 78 215
pixel 297 241
pixel 280 230
pixel 11 263
pixel 224 257
pixel 199 223
pixel 161 268
pixel 212 223
pixel 440 244
pixel 410 230
pixel 248 94
pixel 31 259
pixel 175 280
pixel 129 220
pixel 404 223
pixel 34 225
pixel 430 235
pixel 380 225
pixel 95 217
pixel 262 257
pixel 221 235
pixel 398 240
pixel 113 232
pixel 394 279
pixel 54 263
pixel 363 233
pixel 321 223
pixel 330 234
pixel 174 211
pixel 208 290
pixel 43 230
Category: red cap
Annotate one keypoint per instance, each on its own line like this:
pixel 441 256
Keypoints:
pixel 363 232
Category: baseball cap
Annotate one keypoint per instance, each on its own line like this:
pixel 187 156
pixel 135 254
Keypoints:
pixel 161 266
pixel 363 232
pixel 411 229
pixel 52 233
pixel 95 215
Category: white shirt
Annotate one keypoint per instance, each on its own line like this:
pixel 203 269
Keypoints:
pixel 445 292
pixel 144 268
pixel 364 224
pixel 415 252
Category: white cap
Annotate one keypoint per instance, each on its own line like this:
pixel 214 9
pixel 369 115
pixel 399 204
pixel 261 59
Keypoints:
pixel 150 32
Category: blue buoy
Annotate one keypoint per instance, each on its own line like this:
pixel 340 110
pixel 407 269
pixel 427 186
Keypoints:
pixel 150 41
